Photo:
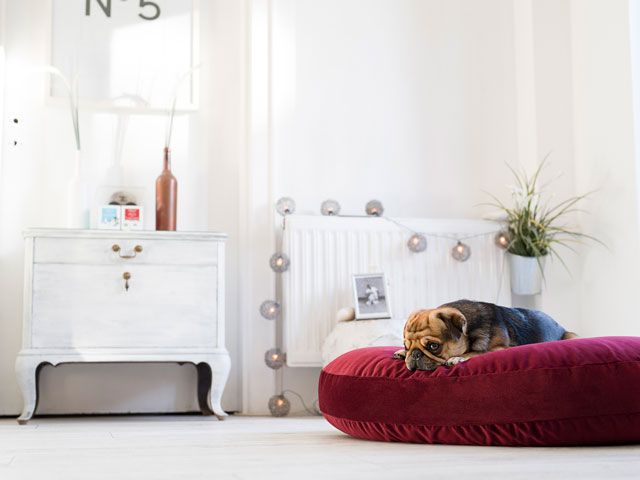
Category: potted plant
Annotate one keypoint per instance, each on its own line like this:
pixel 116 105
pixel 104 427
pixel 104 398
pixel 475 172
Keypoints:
pixel 535 228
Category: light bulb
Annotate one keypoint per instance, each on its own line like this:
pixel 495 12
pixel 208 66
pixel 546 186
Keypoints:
pixel 279 405
pixel 374 208
pixel 274 358
pixel 270 309
pixel 461 252
pixel 417 243
pixel 279 262
pixel 502 239
pixel 285 206
pixel 330 207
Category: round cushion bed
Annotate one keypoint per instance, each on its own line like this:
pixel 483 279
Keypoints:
pixel 571 392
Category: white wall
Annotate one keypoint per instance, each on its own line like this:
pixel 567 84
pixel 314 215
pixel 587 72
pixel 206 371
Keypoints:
pixel 410 101
pixel 583 93
pixel 207 149
pixel 552 93
pixel 606 158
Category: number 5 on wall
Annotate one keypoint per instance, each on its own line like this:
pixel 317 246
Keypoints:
pixel 105 5
pixel 144 3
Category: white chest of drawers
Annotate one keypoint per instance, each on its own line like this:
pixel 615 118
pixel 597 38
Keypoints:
pixel 100 296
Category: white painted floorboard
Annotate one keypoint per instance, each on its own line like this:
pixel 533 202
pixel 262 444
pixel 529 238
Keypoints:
pixel 193 447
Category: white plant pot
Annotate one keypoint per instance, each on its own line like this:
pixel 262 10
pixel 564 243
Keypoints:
pixel 78 196
pixel 526 274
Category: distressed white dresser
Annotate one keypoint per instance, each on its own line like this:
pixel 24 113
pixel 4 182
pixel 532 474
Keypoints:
pixel 103 296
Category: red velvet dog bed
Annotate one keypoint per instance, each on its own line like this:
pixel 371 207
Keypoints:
pixel 571 392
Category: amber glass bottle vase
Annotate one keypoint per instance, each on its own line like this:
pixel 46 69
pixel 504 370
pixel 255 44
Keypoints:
pixel 166 196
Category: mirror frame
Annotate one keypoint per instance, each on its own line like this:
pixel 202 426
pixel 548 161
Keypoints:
pixel 111 105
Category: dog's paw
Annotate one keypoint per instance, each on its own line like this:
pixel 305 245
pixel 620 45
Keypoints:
pixel 400 354
pixel 455 361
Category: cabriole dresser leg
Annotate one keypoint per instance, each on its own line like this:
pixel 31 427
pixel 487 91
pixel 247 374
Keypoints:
pixel 26 373
pixel 212 378
pixel 220 368
pixel 204 387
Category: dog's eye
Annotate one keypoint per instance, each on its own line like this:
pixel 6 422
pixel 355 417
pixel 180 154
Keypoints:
pixel 433 347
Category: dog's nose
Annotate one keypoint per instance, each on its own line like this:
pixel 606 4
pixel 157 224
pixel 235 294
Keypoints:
pixel 416 354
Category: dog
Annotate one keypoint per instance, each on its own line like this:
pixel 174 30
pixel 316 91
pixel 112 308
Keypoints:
pixel 457 331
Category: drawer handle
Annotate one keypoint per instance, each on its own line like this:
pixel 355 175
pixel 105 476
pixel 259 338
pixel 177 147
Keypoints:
pixel 127 277
pixel 136 250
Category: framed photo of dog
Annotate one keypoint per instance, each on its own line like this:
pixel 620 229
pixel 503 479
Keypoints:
pixel 371 296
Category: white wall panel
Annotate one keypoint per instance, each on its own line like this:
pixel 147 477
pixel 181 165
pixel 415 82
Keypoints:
pixel 411 101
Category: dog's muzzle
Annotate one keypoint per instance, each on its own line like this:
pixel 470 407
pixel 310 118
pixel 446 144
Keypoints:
pixel 417 360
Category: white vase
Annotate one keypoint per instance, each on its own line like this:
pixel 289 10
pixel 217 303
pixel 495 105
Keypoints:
pixel 526 274
pixel 78 196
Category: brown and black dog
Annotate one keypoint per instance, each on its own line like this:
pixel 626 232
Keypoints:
pixel 457 331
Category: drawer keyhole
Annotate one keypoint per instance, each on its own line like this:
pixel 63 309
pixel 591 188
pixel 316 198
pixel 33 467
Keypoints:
pixel 127 277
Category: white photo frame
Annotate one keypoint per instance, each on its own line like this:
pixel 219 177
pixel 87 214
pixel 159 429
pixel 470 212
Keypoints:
pixel 129 56
pixel 371 296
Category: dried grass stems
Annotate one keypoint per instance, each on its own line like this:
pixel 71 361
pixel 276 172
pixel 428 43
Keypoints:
pixel 172 108
pixel 72 92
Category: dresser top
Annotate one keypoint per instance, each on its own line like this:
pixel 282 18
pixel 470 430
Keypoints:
pixel 142 234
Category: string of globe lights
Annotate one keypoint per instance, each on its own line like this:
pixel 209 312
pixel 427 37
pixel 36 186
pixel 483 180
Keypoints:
pixel 275 358
pixel 417 241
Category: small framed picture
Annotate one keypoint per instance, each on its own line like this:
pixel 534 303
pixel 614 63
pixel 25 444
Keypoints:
pixel 132 217
pixel 371 299
pixel 109 217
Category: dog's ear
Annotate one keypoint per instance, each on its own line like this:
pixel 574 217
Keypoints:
pixel 455 321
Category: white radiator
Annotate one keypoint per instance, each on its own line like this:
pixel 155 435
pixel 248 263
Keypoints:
pixel 326 251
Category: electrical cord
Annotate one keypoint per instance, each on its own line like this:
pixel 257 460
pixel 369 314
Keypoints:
pixel 436 235
pixel 314 410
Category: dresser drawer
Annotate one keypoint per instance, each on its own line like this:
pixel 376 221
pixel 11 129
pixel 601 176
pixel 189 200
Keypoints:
pixel 122 251
pixel 87 306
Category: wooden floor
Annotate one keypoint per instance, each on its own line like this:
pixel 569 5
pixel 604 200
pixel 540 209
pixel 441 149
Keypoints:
pixel 190 447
